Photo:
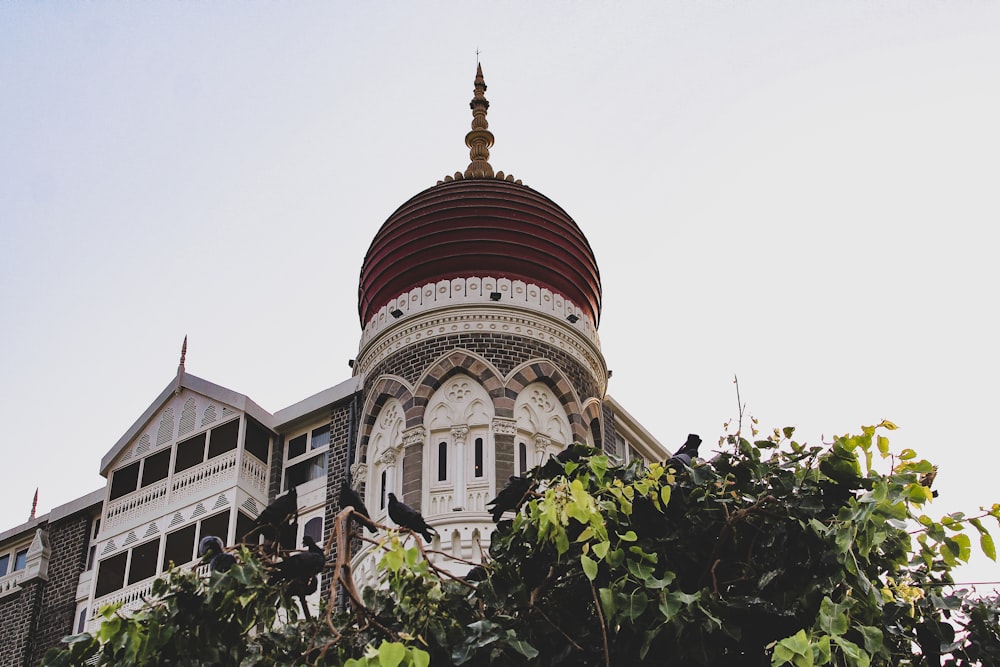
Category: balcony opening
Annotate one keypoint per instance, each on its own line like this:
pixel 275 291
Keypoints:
pixel 190 452
pixel 223 439
pixel 155 468
pixel 124 480
pixel 143 565
pixel 179 548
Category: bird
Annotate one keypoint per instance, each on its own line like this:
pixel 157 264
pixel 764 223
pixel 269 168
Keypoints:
pixel 687 452
pixel 510 497
pixel 351 498
pixel 275 520
pixel 927 479
pixel 407 517
pixel 573 452
pixel 477 573
pixel 212 549
pixel 300 571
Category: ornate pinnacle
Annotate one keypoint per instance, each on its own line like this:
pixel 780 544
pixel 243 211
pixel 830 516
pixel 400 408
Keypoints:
pixel 480 138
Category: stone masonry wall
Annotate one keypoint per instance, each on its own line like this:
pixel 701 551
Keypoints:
pixel 68 538
pixel 18 613
pixel 340 432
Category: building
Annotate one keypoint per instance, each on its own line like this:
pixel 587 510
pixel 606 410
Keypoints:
pixel 479 302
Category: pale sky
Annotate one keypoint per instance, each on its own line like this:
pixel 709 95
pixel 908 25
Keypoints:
pixel 801 194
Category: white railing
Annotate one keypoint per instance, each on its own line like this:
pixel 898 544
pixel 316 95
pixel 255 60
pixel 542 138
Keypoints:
pixel 208 474
pixel 8 583
pixel 131 597
pixel 138 503
pixel 254 473
pixel 441 502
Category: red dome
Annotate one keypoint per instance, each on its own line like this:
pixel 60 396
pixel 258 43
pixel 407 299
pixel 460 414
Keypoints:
pixel 479 227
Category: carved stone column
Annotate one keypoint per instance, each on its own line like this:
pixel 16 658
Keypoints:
pixel 458 435
pixel 542 444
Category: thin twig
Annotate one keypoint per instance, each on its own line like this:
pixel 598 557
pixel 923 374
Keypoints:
pixel 604 630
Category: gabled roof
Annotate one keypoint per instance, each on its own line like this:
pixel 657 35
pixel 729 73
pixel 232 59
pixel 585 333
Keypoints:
pixel 211 390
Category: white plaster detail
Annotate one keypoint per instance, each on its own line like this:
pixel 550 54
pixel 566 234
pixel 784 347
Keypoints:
pixel 414 436
pixel 359 470
pixel 504 426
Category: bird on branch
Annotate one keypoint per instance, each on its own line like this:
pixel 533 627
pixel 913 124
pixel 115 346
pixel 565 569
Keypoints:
pixel 510 497
pixel 300 571
pixel 279 520
pixel 351 498
pixel 407 517
pixel 212 550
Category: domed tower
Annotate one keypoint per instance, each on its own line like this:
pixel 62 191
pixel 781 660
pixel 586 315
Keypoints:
pixel 479 300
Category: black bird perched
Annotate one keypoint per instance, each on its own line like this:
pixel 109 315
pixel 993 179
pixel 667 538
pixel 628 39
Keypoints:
pixel 510 497
pixel 300 571
pixel 687 452
pixel 274 520
pixel 407 517
pixel 351 498
pixel 477 573
pixel 573 452
pixel 212 549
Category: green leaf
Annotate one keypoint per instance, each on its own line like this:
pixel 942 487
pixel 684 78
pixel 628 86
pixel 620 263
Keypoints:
pixel 522 647
pixel 986 542
pixel 589 566
pixel 883 445
pixel 420 657
pixel 907 454
pixel 390 654
pixel 832 617
pixel 601 549
pixel 794 649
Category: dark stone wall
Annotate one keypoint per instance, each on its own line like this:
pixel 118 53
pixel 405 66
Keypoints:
pixel 68 540
pixel 341 431
pixel 505 351
pixel 19 613
pixel 503 457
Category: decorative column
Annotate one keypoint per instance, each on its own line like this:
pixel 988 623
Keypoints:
pixel 458 434
pixel 542 444
pixel 37 565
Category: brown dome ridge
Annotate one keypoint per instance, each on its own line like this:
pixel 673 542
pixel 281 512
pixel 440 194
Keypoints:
pixel 479 227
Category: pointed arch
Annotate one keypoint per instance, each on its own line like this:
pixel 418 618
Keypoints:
pixel 383 389
pixel 545 372
pixel 454 362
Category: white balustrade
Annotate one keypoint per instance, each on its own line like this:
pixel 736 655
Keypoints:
pixel 131 597
pixel 136 504
pixel 254 473
pixel 209 474
pixel 440 502
pixel 8 583
pixel 477 499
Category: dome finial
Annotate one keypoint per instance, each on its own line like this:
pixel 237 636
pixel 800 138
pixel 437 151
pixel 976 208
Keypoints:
pixel 480 138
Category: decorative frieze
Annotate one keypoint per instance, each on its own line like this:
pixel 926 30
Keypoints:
pixel 505 426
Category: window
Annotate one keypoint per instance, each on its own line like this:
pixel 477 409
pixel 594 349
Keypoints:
pixel 244 524
pixel 595 431
pixel 190 452
pixel 81 621
pixel 21 559
pixel 218 525
pixel 91 553
pixel 306 457
pixel 111 574
pixel 223 439
pixel 258 440
pixel 442 461
pixel 143 565
pixel 179 548
pixel 522 457
pixel 478 470
pixel 155 467
pixel 306 471
pixel 382 491
pixel 4 563
pixel 314 529
pixel 124 480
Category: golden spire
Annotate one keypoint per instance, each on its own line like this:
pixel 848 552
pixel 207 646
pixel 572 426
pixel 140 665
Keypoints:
pixel 480 138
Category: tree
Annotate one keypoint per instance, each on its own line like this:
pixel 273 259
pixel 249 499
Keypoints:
pixel 770 552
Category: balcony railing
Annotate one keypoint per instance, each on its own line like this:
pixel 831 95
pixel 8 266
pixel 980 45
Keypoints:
pixel 8 583
pixel 131 597
pixel 201 480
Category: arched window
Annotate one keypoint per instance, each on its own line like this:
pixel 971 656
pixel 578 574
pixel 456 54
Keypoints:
pixel 522 458
pixel 384 457
pixel 442 456
pixel 382 494
pixel 314 529
pixel 477 465
pixel 542 425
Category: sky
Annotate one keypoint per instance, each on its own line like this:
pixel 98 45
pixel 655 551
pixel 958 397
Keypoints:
pixel 799 195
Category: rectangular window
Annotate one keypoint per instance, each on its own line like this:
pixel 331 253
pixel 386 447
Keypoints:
pixel 258 440
pixel 155 467
pixel 82 622
pixel 320 437
pixel 21 559
pixel 297 446
pixel 244 524
pixel 190 452
pixel 223 439
pixel 522 457
pixel 307 470
pixel 124 481
pixel 179 548
pixel 442 461
pixel 110 575
pixel 143 565
pixel 4 564
pixel 91 553
pixel 218 525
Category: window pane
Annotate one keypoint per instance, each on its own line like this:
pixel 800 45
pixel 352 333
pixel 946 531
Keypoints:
pixel 223 438
pixel 190 453
pixel 218 525
pixel 314 529
pixel 305 471
pixel 110 575
pixel 4 562
pixel 522 456
pixel 320 437
pixel 382 492
pixel 143 561
pixel 442 461
pixel 297 446
pixel 124 480
pixel 20 560
pixel 258 440
pixel 179 548
pixel 82 622
pixel 91 554
pixel 155 467
pixel 244 524
pixel 478 471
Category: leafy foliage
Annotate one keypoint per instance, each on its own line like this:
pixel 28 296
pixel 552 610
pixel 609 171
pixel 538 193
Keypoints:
pixel 772 552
